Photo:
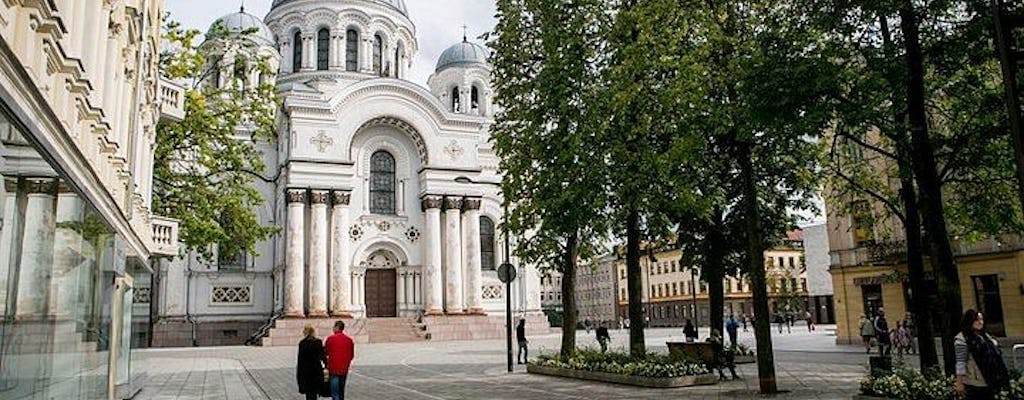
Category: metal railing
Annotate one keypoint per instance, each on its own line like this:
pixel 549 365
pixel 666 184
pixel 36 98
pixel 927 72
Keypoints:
pixel 896 251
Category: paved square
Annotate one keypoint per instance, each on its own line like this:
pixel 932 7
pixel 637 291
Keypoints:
pixel 809 366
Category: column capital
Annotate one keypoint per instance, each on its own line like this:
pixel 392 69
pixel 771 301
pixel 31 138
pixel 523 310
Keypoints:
pixel 10 185
pixel 42 186
pixel 319 196
pixel 430 202
pixel 452 203
pixel 296 196
pixel 341 197
pixel 471 203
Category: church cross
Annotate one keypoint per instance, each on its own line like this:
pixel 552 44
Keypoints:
pixel 322 141
pixel 465 29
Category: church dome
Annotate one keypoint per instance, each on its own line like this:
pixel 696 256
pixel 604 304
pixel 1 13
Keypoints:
pixel 241 21
pixel 396 4
pixel 461 54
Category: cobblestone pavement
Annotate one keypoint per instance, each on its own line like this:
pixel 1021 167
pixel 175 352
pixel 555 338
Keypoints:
pixel 809 366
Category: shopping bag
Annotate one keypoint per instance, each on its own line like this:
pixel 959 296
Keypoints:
pixel 325 387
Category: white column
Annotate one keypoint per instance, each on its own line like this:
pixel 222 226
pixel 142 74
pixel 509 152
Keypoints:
pixel 454 296
pixel 295 257
pixel 308 52
pixel 36 251
pixel 341 266
pixel 318 254
pixel 286 55
pixel 173 289
pixel 432 257
pixel 358 289
pixel 7 234
pixel 336 60
pixel 471 255
pixel 400 290
pixel 67 247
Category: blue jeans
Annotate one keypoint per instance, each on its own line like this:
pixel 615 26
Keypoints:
pixel 338 387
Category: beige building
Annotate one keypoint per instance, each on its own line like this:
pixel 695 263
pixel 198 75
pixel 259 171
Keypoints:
pixel 80 96
pixel 670 295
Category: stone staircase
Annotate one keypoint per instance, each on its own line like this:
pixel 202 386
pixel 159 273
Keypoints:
pixel 480 327
pixel 288 332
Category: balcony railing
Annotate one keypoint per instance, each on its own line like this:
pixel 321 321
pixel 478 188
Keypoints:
pixel 172 100
pixel 896 251
pixel 165 236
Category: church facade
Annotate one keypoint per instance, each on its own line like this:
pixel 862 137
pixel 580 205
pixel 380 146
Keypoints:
pixel 386 193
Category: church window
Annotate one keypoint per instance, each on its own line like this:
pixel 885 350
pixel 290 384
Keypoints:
pixel 475 99
pixel 216 76
pixel 296 51
pixel 239 73
pixel 378 50
pixel 323 44
pixel 351 50
pixel 382 183
pixel 455 100
pixel 486 244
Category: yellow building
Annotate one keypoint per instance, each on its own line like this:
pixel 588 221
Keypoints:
pixel 869 274
pixel 670 296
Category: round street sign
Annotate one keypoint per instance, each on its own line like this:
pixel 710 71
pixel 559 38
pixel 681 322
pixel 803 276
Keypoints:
pixel 506 273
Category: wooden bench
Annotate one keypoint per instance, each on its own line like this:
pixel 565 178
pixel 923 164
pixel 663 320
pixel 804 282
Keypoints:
pixel 697 351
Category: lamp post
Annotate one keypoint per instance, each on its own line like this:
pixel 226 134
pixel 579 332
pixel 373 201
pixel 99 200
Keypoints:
pixel 507 274
pixel 693 291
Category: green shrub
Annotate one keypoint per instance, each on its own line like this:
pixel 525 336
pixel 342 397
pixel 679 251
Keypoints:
pixel 1014 392
pixel 908 384
pixel 652 365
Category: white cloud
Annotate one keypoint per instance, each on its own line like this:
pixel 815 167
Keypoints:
pixel 438 22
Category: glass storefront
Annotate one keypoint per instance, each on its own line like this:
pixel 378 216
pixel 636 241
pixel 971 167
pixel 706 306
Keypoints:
pixel 62 283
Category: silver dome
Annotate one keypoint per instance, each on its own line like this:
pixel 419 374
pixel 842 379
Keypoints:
pixel 396 4
pixel 464 53
pixel 241 21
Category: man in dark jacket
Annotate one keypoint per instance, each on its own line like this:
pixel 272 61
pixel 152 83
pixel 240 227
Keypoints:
pixel 521 338
pixel 882 333
pixel 309 373
pixel 603 337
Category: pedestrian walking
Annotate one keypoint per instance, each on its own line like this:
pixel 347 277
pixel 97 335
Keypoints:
pixel 586 325
pixel 524 351
pixel 882 333
pixel 339 350
pixel 810 321
pixel 724 358
pixel 867 332
pixel 745 318
pixel 780 320
pixel 908 326
pixel 980 369
pixel 690 331
pixel 730 327
pixel 790 319
pixel 309 371
pixel 603 337
pixel 899 339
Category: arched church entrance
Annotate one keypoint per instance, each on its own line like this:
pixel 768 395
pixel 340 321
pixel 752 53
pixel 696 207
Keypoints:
pixel 381 284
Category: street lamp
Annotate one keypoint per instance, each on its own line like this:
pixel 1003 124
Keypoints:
pixel 507 274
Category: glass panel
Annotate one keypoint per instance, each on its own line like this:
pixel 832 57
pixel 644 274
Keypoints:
pixel 351 50
pixel 486 244
pixel 56 281
pixel 382 183
pixel 323 42
pixel 296 52
pixel 378 48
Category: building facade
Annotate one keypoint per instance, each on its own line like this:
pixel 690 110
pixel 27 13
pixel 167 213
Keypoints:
pixel 821 300
pixel 79 103
pixel 596 286
pixel 673 293
pixel 386 192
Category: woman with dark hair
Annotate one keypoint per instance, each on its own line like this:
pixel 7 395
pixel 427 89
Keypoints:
pixel 980 370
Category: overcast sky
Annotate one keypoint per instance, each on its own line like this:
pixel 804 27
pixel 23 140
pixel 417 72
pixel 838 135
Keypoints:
pixel 438 22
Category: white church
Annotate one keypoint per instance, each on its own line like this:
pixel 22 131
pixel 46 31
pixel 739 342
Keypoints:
pixel 386 194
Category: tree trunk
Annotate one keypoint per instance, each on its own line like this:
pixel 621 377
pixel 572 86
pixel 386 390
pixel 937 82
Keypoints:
pixel 919 295
pixel 569 296
pixel 923 161
pixel 755 254
pixel 637 345
pixel 714 270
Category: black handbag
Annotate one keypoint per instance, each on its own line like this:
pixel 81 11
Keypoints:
pixel 325 386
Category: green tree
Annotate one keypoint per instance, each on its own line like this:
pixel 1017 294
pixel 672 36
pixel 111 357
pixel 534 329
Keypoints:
pixel 545 133
pixel 206 164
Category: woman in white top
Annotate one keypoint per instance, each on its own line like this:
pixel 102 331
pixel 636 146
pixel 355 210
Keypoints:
pixel 980 370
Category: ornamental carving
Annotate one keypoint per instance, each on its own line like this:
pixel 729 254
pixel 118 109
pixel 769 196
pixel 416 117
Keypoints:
pixel 356 233
pixel 322 141
pixel 319 196
pixel 44 186
pixel 296 196
pixel 412 234
pixel 383 226
pixel 341 198
pixel 471 204
pixel 404 127
pixel 452 203
pixel 454 150
pixel 431 202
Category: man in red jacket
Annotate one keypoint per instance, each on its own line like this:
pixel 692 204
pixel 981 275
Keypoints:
pixel 339 349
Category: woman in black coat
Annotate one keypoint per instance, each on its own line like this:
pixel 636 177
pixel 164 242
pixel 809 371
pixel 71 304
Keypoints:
pixel 310 369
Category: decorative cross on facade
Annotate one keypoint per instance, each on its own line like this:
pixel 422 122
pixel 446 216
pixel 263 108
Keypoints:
pixel 465 30
pixel 322 141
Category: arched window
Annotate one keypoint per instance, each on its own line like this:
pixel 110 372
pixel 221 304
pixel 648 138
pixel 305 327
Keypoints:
pixel 240 72
pixel 351 50
pixel 474 100
pixel 323 44
pixel 456 104
pixel 382 183
pixel 297 51
pixel 215 78
pixel 398 60
pixel 378 50
pixel 486 244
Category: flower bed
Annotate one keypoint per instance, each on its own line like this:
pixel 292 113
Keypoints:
pixel 654 370
pixel 744 354
pixel 908 384
pixel 1014 392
